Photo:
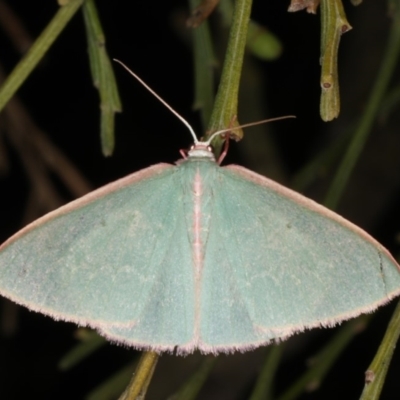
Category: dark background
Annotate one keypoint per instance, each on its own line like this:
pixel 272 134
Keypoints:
pixel 150 37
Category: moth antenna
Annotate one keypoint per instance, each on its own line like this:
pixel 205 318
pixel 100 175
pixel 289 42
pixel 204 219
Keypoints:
pixel 215 134
pixel 161 100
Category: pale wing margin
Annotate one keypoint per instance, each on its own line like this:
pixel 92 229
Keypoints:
pixel 295 264
pixel 100 260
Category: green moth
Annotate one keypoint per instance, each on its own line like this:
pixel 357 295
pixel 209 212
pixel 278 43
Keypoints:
pixel 196 256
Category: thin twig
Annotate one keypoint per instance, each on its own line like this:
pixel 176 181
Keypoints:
pixel 37 50
pixel 226 101
pixel 379 89
pixel 140 381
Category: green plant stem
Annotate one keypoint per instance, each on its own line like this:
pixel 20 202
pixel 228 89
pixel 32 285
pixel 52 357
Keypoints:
pixel 204 63
pixel 111 387
pixel 103 76
pixel 139 383
pixel 88 345
pixel 389 103
pixel 376 373
pixel 38 50
pixel 263 389
pixel 191 388
pixel 226 101
pixel 324 161
pixel 353 152
pixel 333 24
pixel 324 360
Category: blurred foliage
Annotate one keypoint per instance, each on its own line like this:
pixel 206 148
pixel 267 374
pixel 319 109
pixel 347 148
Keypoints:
pixel 49 143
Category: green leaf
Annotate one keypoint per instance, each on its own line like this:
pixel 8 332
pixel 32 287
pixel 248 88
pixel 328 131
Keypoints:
pixel 103 76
